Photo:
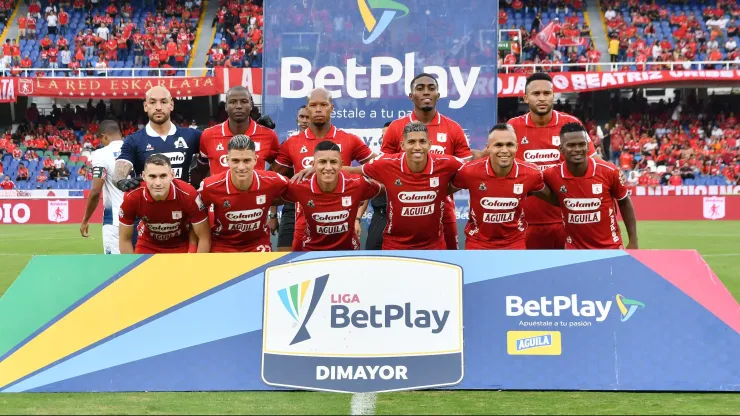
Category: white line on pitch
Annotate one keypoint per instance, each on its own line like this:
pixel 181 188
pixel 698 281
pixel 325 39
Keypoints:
pixel 722 255
pixel 363 404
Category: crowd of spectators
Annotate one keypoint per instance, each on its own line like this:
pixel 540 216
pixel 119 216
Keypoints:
pixel 93 38
pixel 675 33
pixel 238 42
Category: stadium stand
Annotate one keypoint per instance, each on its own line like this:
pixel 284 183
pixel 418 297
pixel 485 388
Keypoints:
pixel 672 32
pixel 238 41
pixel 89 39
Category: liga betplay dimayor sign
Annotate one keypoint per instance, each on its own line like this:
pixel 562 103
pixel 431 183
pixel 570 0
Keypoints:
pixel 333 325
pixel 367 52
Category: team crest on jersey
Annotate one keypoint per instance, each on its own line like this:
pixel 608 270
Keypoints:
pixel 596 188
pixel 563 189
pixel 149 148
pixel 556 140
pixel 304 149
pixel 261 199
pixel 434 182
pixel 227 204
pixel 518 188
pixel 346 201
pixel 482 187
pixel 145 219
pixel 176 215
pixel 220 147
pixel 180 143
pixel 524 140
pixel 310 203
pixel 398 182
pixel 441 137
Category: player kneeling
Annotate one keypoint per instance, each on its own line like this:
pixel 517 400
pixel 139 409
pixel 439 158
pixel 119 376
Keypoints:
pixel 587 189
pixel 167 207
pixel 330 199
pixel 498 185
pixel 241 198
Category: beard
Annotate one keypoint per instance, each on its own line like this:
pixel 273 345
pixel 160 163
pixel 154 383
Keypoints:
pixel 164 120
pixel 541 113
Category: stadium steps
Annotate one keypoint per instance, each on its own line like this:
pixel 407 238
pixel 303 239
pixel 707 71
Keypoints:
pixel 205 37
pixel 12 30
pixel 598 31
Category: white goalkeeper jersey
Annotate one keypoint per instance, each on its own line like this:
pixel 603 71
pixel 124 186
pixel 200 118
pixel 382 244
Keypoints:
pixel 103 162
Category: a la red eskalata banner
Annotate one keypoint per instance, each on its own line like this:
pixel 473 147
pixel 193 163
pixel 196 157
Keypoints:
pixel 508 85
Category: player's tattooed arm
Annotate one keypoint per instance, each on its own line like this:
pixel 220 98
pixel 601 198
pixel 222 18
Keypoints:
pixel 121 170
pixel 547 195
pixel 630 222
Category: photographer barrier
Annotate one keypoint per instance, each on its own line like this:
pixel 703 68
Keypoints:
pixel 361 322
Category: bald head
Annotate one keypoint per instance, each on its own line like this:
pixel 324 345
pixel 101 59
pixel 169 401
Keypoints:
pixel 319 93
pixel 158 105
pixel 238 89
pixel 319 107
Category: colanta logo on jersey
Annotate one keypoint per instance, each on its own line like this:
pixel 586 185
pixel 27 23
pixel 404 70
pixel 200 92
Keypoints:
pixel 556 306
pixel 375 27
pixel 542 155
pixel 321 331
pixel 176 158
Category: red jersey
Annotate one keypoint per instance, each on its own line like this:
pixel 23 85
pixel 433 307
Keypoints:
pixel 588 204
pixel 446 136
pixel 330 217
pixel 540 146
pixel 240 223
pixel 7 185
pixel 496 219
pixel 415 200
pixel 214 143
pixel 164 225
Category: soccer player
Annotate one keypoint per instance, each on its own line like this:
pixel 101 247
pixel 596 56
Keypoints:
pixel 103 162
pixel 167 207
pixel 416 188
pixel 215 140
pixel 162 136
pixel 538 132
pixel 498 185
pixel 380 219
pixel 587 189
pixel 286 228
pixel 241 197
pixel 330 200
pixel 297 152
pixel 446 138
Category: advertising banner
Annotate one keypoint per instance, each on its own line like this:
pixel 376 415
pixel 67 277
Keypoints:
pixel 652 320
pixel 40 194
pixel 46 211
pixel 368 51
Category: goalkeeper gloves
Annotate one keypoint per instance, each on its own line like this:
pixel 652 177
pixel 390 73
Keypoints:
pixel 267 122
pixel 129 184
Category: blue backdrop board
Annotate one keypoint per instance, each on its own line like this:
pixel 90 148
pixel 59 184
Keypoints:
pixel 370 321
pixel 367 51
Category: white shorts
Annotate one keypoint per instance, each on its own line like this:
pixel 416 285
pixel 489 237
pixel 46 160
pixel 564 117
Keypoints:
pixel 110 239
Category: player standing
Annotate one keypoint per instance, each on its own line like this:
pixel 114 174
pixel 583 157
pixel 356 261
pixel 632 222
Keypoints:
pixel 446 138
pixel 103 164
pixel 380 218
pixel 215 140
pixel 498 185
pixel 241 197
pixel 286 229
pixel 416 188
pixel 587 190
pixel 167 207
pixel 161 135
pixel 538 132
pixel 297 152
pixel 330 199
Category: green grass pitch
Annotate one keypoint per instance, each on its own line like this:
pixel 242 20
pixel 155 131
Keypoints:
pixel 718 242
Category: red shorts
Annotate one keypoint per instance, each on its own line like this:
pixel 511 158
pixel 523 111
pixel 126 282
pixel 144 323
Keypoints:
pixel 449 222
pixel 147 249
pixel 440 244
pixel 257 247
pixel 546 236
pixel 519 244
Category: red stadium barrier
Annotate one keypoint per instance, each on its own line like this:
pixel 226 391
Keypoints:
pixel 682 208
pixel 46 211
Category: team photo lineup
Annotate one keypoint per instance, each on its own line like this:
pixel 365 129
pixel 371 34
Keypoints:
pixel 537 184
